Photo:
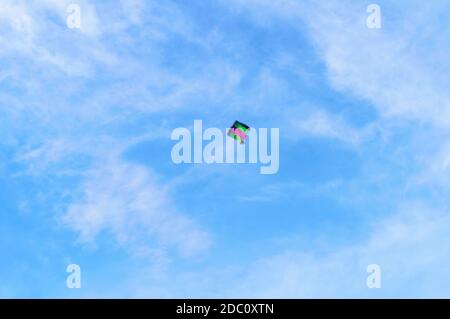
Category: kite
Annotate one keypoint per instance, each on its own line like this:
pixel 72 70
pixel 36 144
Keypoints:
pixel 239 131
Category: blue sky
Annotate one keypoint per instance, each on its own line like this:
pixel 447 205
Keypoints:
pixel 86 174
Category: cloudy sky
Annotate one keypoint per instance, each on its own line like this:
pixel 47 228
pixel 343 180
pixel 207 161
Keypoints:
pixel 87 178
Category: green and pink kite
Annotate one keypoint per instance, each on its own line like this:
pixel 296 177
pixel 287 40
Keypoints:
pixel 239 131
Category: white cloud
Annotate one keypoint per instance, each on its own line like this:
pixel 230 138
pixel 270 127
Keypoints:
pixel 406 246
pixel 323 124
pixel 402 71
pixel 28 33
pixel 381 66
pixel 58 131
pixel 126 201
pixel 387 67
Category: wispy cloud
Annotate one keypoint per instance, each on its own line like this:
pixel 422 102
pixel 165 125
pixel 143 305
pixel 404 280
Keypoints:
pixel 63 127
pixel 405 246
pixel 383 66
pixel 324 125
pixel 126 201
pixel 74 102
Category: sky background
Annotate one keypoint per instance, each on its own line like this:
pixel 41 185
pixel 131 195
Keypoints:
pixel 86 175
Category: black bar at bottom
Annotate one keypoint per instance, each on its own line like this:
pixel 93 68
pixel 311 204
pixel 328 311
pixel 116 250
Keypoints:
pixel 225 308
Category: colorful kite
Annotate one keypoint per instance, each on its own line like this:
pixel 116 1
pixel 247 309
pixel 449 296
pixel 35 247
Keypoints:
pixel 239 131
